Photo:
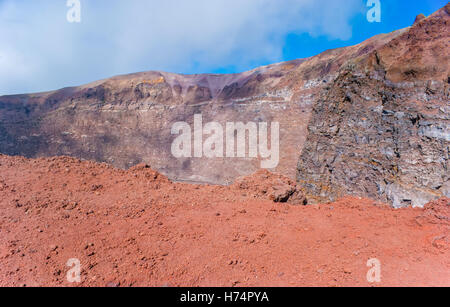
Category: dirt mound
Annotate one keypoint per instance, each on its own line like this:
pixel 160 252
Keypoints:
pixel 437 212
pixel 266 185
pixel 136 228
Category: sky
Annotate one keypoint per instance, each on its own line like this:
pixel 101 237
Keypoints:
pixel 41 50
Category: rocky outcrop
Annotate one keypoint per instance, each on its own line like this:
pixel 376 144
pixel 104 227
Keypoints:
pixel 419 18
pixel 382 129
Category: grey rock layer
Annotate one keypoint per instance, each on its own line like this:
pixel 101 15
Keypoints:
pixel 374 138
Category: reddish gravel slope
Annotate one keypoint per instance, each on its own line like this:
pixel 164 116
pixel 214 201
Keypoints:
pixel 136 228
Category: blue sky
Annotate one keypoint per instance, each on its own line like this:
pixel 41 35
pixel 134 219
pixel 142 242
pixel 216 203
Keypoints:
pixel 396 14
pixel 40 50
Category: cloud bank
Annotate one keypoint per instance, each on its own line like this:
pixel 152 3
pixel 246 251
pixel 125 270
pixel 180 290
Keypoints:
pixel 40 50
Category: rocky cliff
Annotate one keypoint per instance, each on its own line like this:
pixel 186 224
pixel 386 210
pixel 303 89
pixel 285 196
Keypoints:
pixel 382 128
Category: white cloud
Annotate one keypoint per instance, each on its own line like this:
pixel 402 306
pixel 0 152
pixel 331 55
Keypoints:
pixel 40 50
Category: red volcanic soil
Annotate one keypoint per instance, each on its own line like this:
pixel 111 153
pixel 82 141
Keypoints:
pixel 136 228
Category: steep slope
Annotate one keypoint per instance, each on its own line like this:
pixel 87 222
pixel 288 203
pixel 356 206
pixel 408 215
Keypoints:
pixel 381 129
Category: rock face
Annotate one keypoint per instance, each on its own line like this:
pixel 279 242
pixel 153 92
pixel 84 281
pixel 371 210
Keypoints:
pixel 370 119
pixel 382 128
